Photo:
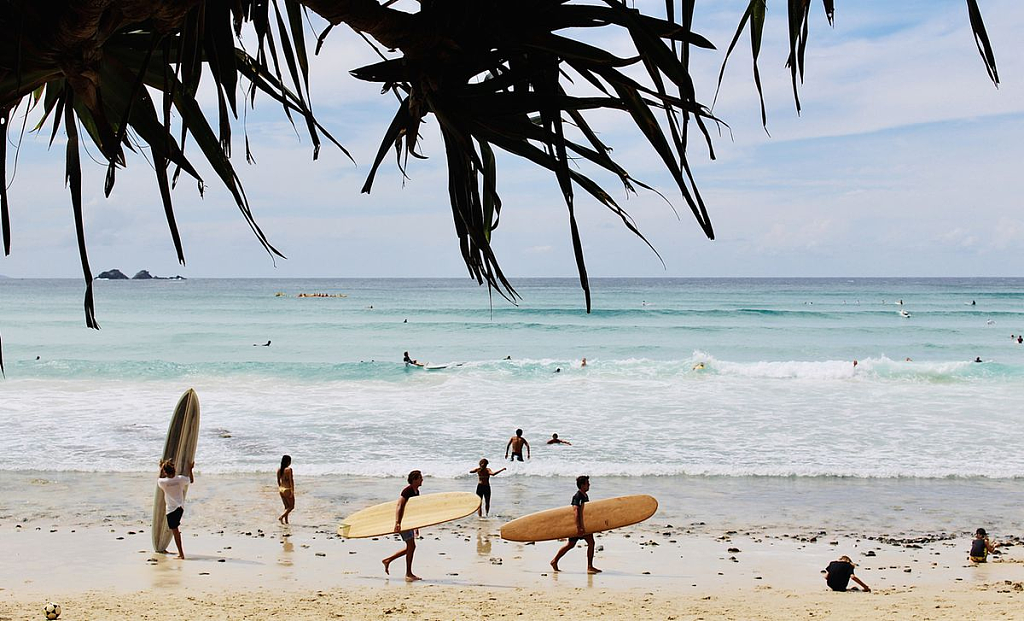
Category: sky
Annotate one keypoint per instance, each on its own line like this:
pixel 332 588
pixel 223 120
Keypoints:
pixel 905 161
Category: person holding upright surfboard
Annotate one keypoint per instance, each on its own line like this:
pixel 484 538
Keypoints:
pixel 174 497
pixel 578 500
pixel 408 536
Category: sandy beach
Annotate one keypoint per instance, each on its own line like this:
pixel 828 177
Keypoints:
pixel 96 561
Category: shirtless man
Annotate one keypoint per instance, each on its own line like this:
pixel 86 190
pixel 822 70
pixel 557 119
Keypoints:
pixel 556 440
pixel 516 443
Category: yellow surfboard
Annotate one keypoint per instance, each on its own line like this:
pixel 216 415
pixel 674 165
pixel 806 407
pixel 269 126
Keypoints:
pixel 420 512
pixel 598 516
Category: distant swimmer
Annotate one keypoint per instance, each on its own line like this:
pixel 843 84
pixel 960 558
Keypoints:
pixel 978 359
pixel 855 364
pixel 508 357
pixel 904 313
pixel 516 443
pixel 558 369
pixel 990 322
pixel 483 486
pixel 409 360
pixel 907 359
pixel 973 303
pixel 699 366
pixel 405 321
pixel 1020 340
pixel 267 344
pixel 556 440
pixel 584 363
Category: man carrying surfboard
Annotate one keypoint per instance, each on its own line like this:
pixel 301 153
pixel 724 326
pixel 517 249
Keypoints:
pixel 578 500
pixel 408 536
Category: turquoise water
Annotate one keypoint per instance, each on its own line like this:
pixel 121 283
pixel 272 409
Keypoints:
pixel 778 396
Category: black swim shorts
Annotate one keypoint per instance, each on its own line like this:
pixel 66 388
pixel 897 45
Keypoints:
pixel 516 456
pixel 174 518
pixel 483 490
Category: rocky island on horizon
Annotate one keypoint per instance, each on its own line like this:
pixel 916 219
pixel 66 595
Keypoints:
pixel 116 274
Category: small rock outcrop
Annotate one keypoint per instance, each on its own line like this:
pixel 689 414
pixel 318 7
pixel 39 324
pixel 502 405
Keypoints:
pixel 142 275
pixel 112 275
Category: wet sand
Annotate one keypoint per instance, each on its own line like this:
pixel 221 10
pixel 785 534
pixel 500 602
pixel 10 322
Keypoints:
pixel 94 557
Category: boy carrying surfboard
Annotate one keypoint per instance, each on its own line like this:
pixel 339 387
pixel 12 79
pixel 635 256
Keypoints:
pixel 578 500
pixel 408 536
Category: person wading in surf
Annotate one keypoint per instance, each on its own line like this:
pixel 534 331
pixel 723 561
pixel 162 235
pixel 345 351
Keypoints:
pixel 516 443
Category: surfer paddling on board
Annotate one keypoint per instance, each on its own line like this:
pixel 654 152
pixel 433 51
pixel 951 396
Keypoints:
pixel 516 443
pixel 408 536
pixel 580 499
pixel 409 360
pixel 483 486
pixel 174 497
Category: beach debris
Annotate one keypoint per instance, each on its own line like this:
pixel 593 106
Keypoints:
pixel 733 550
pixel 495 560
pixel 321 554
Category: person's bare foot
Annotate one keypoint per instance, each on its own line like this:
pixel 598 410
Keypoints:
pixel 412 578
pixel 387 565
pixel 593 570
pixel 181 556
pixel 281 519
pixel 554 566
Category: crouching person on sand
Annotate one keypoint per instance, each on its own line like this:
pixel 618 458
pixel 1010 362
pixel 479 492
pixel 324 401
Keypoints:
pixel 174 497
pixel 839 573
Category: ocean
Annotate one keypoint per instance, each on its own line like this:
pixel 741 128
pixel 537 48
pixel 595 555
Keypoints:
pixel 717 391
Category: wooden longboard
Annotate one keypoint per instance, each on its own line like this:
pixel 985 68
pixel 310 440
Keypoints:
pixel 182 439
pixel 598 516
pixel 420 512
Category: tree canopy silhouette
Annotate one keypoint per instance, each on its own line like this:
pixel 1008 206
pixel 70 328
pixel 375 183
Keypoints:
pixel 516 75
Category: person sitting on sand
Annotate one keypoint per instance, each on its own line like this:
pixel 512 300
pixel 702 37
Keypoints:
pixel 580 499
pixel 286 487
pixel 981 546
pixel 838 575
pixel 483 486
pixel 556 440
pixel 415 479
pixel 516 443
pixel 174 497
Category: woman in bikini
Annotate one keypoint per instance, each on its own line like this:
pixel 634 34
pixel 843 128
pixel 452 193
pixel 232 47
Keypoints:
pixel 483 486
pixel 286 487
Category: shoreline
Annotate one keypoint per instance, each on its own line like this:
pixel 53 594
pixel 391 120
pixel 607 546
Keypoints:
pixel 90 551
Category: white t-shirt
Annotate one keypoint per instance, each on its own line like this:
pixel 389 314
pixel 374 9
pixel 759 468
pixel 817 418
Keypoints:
pixel 174 491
